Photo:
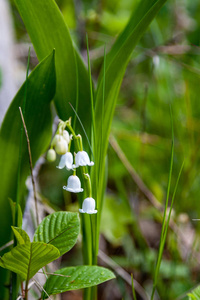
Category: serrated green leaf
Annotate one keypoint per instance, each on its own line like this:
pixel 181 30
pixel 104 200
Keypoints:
pixel 195 294
pixel 76 278
pixel 47 29
pixel 60 229
pixel 21 235
pixel 28 258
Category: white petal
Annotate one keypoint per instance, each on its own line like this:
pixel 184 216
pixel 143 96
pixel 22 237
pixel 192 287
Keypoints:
pixel 62 162
pixel 73 184
pixel 82 159
pixel 66 160
pixel 69 160
pixel 72 190
pixel 88 206
pixel 66 136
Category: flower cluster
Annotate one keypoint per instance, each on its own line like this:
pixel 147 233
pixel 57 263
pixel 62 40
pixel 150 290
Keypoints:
pixel 61 144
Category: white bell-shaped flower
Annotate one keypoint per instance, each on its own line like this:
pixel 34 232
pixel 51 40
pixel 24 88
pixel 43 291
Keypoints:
pixel 82 159
pixel 88 206
pixel 66 136
pixel 66 161
pixel 73 184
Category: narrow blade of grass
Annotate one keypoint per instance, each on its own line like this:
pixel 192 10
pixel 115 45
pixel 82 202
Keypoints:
pixel 133 289
pixel 165 225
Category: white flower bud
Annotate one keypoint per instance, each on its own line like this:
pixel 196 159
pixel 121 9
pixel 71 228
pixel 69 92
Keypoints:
pixel 66 136
pixel 61 146
pixel 55 140
pixel 51 155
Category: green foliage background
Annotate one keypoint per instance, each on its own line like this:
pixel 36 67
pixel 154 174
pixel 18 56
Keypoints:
pixel 163 71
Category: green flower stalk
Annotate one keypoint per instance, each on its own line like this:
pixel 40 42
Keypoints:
pixel 88 205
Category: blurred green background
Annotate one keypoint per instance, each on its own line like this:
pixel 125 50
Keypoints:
pixel 163 72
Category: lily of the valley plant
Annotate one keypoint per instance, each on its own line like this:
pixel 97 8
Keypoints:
pixel 61 144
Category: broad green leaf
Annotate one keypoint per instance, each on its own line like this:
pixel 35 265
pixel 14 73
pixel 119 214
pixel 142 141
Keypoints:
pixel 60 229
pixel 21 235
pixel 13 208
pixel 116 63
pixel 76 278
pixel 195 294
pixel 27 259
pixel 47 30
pixel 40 91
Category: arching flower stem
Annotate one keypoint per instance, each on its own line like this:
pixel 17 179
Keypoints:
pixel 68 125
pixel 78 147
pixel 83 162
pixel 88 184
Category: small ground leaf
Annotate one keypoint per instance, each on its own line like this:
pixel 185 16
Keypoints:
pixel 26 259
pixel 76 278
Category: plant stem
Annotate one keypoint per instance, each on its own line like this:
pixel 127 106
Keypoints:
pixel 31 166
pixel 26 290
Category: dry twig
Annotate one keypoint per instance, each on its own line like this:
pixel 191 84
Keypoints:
pixel 31 164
